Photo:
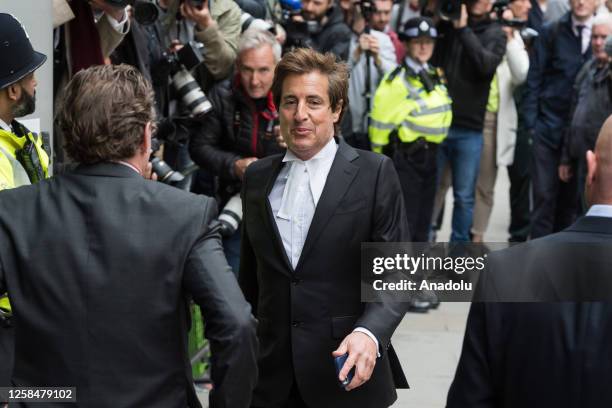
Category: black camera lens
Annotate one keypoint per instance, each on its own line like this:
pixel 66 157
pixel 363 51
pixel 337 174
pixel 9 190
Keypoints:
pixel 145 13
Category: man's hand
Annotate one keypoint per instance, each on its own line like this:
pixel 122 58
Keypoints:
pixel 565 172
pixel 280 140
pixel 508 15
pixel 463 20
pixel 148 172
pixel 362 354
pixel 115 12
pixel 368 42
pixel 241 165
pixel 201 16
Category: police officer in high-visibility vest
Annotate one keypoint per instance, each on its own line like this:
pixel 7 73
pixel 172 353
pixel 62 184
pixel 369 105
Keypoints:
pixel 23 159
pixel 409 119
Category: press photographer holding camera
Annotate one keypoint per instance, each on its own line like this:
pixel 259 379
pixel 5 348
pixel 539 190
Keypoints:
pixel 182 47
pixel 469 50
pixel 371 56
pixel 319 24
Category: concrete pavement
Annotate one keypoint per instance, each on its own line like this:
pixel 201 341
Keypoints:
pixel 429 345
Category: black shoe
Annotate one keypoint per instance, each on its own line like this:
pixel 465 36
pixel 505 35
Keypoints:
pixel 419 306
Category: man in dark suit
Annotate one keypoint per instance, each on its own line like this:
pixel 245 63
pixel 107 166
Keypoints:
pixel 546 354
pixel 306 214
pixel 559 52
pixel 98 265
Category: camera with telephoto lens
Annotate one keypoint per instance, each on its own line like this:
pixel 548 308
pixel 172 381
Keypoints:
pixel 298 32
pixel 178 66
pixel 164 172
pixel 231 216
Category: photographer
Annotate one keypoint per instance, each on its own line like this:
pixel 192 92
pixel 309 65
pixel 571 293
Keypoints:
pixel 210 28
pixel 327 31
pixel 371 56
pixel 592 104
pixel 469 51
pixel 241 127
pixel 501 119
pixel 214 23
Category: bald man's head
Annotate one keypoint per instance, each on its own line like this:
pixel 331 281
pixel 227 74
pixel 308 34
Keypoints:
pixel 599 164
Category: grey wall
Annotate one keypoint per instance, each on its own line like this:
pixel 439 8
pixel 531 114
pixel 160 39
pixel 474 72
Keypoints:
pixel 36 17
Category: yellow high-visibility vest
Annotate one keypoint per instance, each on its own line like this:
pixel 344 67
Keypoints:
pixel 402 104
pixel 12 172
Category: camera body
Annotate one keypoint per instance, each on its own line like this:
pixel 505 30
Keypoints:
pixel 499 7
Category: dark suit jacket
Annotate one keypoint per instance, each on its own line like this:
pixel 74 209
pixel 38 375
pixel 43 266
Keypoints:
pixel 540 354
pixel 98 265
pixel 305 313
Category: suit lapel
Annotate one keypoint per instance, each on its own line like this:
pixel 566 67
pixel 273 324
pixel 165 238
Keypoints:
pixel 340 178
pixel 268 216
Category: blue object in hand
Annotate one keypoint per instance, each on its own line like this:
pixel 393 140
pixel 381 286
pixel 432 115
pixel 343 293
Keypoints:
pixel 339 363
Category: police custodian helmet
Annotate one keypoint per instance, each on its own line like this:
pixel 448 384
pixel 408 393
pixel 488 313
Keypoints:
pixel 418 27
pixel 17 57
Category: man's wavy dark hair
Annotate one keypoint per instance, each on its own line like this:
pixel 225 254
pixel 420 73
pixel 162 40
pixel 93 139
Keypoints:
pixel 303 61
pixel 103 112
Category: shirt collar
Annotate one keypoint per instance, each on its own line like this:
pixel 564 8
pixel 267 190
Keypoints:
pixel 600 210
pixel 587 24
pixel 126 164
pixel 5 126
pixel 415 66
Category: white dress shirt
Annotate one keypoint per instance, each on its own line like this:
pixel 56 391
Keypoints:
pixel 415 66
pixel 294 198
pixel 600 210
pixel 586 32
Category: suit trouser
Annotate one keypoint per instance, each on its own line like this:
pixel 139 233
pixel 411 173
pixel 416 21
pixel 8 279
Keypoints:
pixel 487 175
pixel 520 181
pixel 555 203
pixel 294 400
pixel 416 166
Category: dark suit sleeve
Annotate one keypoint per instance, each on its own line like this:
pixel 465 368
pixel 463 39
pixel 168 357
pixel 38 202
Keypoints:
pixel 473 385
pixel 389 225
pixel 230 327
pixel 535 79
pixel 2 278
pixel 248 264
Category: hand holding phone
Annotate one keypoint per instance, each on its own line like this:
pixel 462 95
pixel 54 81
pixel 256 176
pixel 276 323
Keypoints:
pixel 339 363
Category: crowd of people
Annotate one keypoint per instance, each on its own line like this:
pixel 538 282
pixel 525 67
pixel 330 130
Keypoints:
pixel 233 97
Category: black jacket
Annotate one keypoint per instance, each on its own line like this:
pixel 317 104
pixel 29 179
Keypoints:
pixel 469 58
pixel 553 67
pixel 305 313
pixel 234 129
pixel 591 107
pixel 554 354
pixel 335 35
pixel 98 285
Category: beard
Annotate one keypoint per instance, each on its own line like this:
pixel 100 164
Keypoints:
pixel 25 105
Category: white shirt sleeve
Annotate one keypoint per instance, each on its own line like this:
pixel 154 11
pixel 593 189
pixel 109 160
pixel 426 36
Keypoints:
pixel 370 335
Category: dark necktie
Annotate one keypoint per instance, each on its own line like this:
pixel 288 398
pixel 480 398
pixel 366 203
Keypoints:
pixel 580 28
